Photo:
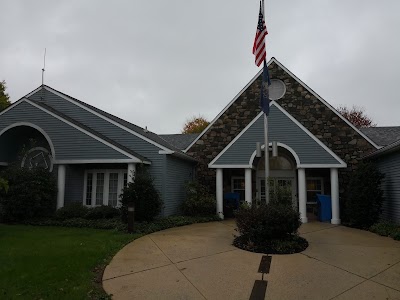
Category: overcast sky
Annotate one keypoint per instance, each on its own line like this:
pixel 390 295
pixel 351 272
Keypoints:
pixel 156 63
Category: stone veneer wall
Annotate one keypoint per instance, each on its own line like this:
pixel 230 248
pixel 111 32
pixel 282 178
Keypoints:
pixel 302 105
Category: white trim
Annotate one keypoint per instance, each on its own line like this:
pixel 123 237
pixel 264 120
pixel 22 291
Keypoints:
pixel 105 118
pixel 273 59
pixel 231 167
pixel 53 152
pixel 296 157
pixel 96 161
pixel 34 91
pixel 316 166
pixel 84 131
pixel 11 106
pixel 38 149
pixel 324 102
pixel 5 164
pixel 166 152
pixel 106 186
pixel 236 138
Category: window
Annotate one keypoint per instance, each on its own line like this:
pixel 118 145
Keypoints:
pixel 238 186
pixel 103 187
pixel 99 188
pixel 113 190
pixel 314 186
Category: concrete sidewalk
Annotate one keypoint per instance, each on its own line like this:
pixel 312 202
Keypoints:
pixel 199 262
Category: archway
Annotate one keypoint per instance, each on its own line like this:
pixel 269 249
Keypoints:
pixel 26 145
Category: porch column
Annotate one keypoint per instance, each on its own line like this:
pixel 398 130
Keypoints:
pixel 60 186
pixel 302 191
pixel 335 196
pixel 220 193
pixel 131 172
pixel 248 185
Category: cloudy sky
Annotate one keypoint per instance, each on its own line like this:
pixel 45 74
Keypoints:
pixel 156 63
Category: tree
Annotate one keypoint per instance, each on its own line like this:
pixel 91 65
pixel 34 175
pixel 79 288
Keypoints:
pixel 195 125
pixel 4 98
pixel 357 116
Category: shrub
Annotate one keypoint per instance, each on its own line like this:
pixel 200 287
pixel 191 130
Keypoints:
pixel 31 193
pixel 102 212
pixel 145 197
pixel 70 211
pixel 269 221
pixel 386 228
pixel 198 201
pixel 364 197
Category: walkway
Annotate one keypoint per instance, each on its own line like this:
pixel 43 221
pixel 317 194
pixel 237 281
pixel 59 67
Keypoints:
pixel 199 262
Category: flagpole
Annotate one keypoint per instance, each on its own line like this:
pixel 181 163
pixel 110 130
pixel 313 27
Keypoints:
pixel 266 152
pixel 266 143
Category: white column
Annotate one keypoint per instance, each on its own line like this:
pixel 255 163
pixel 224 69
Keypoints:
pixel 335 196
pixel 60 186
pixel 220 193
pixel 131 172
pixel 302 191
pixel 248 186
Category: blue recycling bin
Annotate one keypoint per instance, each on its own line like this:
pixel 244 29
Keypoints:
pixel 325 207
pixel 231 203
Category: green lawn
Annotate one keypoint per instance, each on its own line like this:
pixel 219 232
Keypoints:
pixel 54 262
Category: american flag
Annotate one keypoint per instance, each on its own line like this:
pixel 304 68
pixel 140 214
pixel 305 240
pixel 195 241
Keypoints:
pixel 259 41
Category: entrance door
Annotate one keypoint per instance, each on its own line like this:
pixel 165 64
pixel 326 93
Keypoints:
pixel 288 183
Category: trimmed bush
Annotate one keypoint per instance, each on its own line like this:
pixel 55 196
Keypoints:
pixel 70 211
pixel 364 197
pixel 270 228
pixel 31 194
pixel 198 201
pixel 269 221
pixel 102 212
pixel 145 197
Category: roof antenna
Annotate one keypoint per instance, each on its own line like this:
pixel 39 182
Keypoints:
pixel 44 66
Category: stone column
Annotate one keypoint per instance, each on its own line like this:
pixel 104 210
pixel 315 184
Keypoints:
pixel 220 193
pixel 248 187
pixel 60 186
pixel 335 196
pixel 131 172
pixel 302 192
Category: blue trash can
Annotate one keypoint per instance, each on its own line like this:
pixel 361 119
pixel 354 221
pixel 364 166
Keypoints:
pixel 325 207
pixel 231 203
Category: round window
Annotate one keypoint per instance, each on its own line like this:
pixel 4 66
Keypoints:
pixel 277 89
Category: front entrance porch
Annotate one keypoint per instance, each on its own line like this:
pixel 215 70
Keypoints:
pixel 301 183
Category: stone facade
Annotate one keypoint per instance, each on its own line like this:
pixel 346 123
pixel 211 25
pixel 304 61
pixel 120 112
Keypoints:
pixel 313 114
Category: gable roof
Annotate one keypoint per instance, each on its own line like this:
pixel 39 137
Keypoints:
pixel 383 136
pixel 385 150
pixel 291 133
pixel 141 133
pixel 90 130
pixel 180 141
pixel 274 60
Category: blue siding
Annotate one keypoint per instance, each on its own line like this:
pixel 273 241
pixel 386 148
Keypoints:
pixel 69 143
pixel 74 181
pixel 390 166
pixel 280 129
pixel 179 172
pixel 113 132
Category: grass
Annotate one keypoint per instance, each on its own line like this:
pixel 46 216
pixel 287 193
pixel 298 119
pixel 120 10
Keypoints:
pixel 55 262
